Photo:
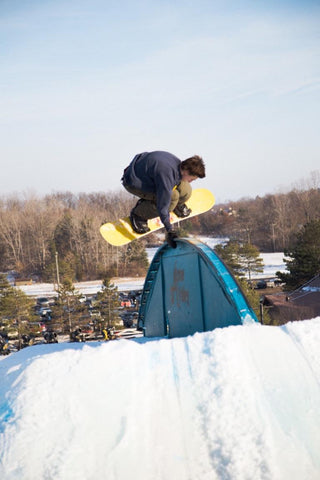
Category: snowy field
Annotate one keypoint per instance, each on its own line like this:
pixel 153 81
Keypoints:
pixel 239 403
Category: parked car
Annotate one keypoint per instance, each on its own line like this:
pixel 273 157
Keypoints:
pixel 43 302
pixel 261 284
pixel 87 329
pixel 126 302
pixel 45 312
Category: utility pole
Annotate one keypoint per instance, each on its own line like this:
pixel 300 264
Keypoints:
pixel 57 270
pixel 273 237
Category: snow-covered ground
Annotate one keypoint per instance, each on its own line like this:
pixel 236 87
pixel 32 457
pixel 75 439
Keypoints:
pixel 87 288
pixel 239 403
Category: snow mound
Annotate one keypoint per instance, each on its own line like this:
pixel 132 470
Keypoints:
pixel 236 403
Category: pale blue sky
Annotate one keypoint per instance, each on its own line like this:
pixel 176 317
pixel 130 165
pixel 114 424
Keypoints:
pixel 87 84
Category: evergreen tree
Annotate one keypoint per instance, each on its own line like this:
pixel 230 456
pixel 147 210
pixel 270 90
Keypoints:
pixel 229 253
pixel 68 313
pixel 250 260
pixel 63 235
pixel 303 258
pixel 134 259
pixel 15 310
pixel 108 302
pixel 242 259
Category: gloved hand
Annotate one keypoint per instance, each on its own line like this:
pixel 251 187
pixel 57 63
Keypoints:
pixel 171 237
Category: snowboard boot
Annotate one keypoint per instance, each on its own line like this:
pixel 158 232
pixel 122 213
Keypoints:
pixel 139 224
pixel 182 211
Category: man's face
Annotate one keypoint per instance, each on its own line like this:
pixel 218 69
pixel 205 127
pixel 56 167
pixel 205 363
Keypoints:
pixel 186 177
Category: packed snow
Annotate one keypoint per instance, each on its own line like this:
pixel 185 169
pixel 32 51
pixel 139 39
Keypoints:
pixel 236 403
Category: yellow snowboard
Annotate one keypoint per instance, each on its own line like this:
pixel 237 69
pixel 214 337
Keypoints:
pixel 120 232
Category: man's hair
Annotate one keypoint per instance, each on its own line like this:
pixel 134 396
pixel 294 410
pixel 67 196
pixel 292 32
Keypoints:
pixel 195 166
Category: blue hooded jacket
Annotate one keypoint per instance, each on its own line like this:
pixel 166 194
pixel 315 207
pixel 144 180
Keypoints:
pixel 155 172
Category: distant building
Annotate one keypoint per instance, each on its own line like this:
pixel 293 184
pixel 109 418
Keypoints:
pixel 301 304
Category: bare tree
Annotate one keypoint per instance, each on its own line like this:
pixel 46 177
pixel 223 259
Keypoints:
pixel 11 227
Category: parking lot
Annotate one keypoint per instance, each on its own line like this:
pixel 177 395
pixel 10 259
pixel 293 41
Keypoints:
pixel 83 321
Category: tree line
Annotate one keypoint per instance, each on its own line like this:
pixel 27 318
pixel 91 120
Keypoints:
pixel 271 222
pixel 33 231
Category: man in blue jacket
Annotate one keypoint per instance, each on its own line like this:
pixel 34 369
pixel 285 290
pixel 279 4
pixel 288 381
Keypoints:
pixel 162 181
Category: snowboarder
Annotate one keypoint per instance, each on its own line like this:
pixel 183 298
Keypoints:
pixel 162 182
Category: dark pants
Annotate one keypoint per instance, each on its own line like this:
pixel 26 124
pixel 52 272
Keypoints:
pixel 148 208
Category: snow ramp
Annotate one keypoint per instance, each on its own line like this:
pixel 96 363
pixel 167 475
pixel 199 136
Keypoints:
pixel 189 289
pixel 237 403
